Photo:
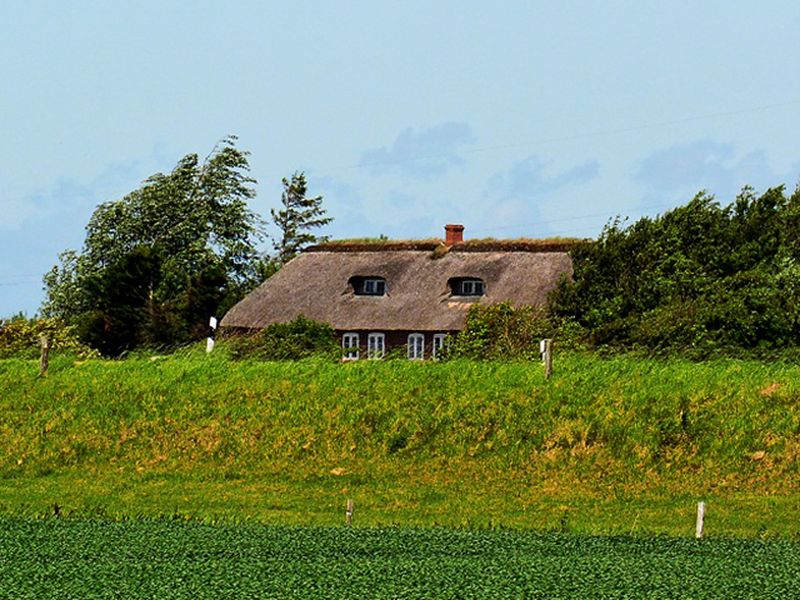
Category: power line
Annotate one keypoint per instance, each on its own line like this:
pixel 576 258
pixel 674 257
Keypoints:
pixel 577 136
pixel 12 283
pixel 607 214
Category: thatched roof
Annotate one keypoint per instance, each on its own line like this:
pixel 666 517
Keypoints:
pixel 316 285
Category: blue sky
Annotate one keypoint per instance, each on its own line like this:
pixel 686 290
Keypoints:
pixel 513 118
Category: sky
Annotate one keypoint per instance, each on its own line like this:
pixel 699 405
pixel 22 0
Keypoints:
pixel 516 119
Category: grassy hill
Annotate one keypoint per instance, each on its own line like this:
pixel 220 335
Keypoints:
pixel 617 445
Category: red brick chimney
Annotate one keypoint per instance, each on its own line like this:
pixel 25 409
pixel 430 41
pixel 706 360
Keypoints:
pixel 454 234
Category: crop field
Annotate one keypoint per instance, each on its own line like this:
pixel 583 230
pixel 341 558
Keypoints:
pixel 174 559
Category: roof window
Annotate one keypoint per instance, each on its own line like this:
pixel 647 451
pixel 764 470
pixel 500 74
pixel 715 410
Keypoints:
pixel 368 286
pixel 467 286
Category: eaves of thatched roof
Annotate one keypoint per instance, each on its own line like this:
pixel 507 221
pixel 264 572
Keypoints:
pixel 316 284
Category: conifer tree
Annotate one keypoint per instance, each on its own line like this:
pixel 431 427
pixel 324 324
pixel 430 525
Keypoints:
pixel 299 215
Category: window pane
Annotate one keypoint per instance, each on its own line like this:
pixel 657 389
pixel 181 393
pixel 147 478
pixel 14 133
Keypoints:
pixel 416 346
pixel 370 287
pixel 467 287
pixel 350 344
pixel 438 344
pixel 375 345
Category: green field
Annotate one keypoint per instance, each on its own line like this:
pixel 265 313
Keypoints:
pixel 609 446
pixel 171 559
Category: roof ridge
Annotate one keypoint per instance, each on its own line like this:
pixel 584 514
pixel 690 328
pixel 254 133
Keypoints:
pixel 521 245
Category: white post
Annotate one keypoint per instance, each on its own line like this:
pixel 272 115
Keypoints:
pixel 212 322
pixel 348 516
pixel 701 515
pixel 546 349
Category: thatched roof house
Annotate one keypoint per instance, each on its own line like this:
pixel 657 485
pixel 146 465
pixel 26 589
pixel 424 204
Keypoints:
pixel 382 294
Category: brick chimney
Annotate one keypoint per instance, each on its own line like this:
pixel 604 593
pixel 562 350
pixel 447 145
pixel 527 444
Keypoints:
pixel 454 234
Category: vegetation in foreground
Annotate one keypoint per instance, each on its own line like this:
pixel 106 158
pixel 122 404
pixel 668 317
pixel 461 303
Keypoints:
pixel 156 559
pixel 607 446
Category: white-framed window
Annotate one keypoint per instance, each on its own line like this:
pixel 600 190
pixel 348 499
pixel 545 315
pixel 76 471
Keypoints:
pixel 416 346
pixel 376 345
pixel 466 286
pixel 371 285
pixel 438 344
pixel 350 345
pixel 374 287
pixel 472 287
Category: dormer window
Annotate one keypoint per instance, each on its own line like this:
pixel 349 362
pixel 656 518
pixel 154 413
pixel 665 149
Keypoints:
pixel 374 287
pixel 467 286
pixel 368 286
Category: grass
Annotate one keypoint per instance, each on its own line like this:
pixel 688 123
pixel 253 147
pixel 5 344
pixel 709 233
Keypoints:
pixel 608 446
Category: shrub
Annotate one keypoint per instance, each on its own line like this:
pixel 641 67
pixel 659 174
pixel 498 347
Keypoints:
pixel 301 338
pixel 20 338
pixel 501 331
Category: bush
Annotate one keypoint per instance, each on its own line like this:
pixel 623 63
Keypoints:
pixel 20 338
pixel 501 330
pixel 301 338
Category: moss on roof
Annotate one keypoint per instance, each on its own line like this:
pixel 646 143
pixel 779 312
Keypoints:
pixel 555 244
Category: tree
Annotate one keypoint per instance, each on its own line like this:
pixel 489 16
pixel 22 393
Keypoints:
pixel 299 215
pixel 123 306
pixel 700 279
pixel 189 235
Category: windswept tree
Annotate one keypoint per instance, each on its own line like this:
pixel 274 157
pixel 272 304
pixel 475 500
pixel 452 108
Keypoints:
pixel 299 215
pixel 700 279
pixel 185 245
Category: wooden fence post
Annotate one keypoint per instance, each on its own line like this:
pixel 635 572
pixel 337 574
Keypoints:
pixel 44 361
pixel 348 516
pixel 700 524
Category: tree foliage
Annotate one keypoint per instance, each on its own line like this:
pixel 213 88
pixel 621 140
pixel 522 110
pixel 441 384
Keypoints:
pixel 20 338
pixel 299 215
pixel 500 331
pixel 300 338
pixel 157 263
pixel 700 279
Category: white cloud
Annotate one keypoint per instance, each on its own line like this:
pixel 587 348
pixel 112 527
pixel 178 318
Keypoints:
pixel 685 169
pixel 527 179
pixel 427 153
pixel 518 201
pixel 71 196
